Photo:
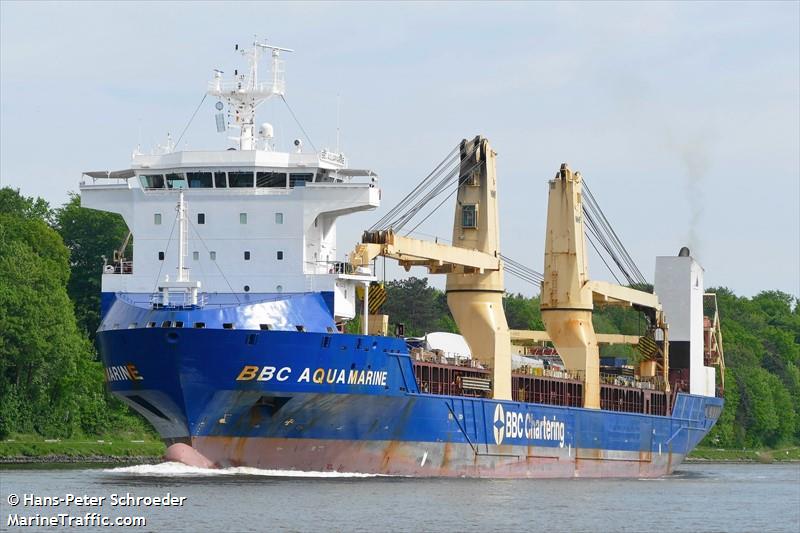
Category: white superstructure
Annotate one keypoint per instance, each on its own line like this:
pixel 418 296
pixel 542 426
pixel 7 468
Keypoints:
pixel 257 221
pixel 679 285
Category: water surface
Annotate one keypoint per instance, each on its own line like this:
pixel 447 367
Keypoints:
pixel 697 498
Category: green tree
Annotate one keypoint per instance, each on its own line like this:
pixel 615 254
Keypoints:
pixel 417 305
pixel 89 235
pixel 38 338
pixel 49 381
pixel 13 203
pixel 726 433
pixel 522 312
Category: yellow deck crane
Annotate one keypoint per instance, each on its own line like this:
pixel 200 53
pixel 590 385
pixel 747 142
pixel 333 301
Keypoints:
pixel 568 295
pixel 472 263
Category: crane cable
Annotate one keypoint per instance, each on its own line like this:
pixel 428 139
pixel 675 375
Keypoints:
pixel 397 209
pixel 441 180
pixel 446 173
pixel 602 236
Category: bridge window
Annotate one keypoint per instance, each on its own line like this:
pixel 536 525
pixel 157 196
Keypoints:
pixel 212 255
pixel 279 218
pixel 196 256
pixel 271 179
pixel 280 255
pixel 199 180
pixel 227 325
pixel 160 256
pixel 219 180
pixel 157 219
pixel 300 180
pixel 176 181
pixel 199 325
pixel 247 256
pixel 153 181
pixel 240 179
pixel 469 216
pixel 242 218
pixel 201 218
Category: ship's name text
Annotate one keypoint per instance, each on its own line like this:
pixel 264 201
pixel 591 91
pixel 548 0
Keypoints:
pixel 123 373
pixel 331 376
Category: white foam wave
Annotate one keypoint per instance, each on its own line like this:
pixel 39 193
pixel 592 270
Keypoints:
pixel 172 469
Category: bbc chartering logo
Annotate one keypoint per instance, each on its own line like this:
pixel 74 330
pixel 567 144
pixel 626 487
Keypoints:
pixel 499 424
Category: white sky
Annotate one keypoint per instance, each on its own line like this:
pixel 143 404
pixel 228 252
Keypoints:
pixel 684 118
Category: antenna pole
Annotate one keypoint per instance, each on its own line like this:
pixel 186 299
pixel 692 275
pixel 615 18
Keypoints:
pixel 245 95
pixel 338 106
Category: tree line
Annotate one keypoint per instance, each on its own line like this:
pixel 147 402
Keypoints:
pixel 51 381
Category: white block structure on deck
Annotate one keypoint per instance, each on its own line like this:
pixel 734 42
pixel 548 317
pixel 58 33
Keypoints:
pixel 679 285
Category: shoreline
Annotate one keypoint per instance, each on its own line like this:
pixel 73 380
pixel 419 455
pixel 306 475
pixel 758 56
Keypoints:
pixel 744 461
pixel 63 459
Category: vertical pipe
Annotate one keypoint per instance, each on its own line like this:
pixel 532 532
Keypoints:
pixel 365 326
pixel 182 246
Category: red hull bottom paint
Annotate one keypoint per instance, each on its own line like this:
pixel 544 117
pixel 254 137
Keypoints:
pixel 183 453
pixel 427 459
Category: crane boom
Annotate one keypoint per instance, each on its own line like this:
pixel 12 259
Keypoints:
pixel 410 252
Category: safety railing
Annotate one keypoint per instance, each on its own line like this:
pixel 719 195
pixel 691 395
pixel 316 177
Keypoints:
pixel 178 300
pixel 121 267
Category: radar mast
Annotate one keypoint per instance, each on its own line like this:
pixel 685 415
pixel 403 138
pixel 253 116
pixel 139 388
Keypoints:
pixel 245 93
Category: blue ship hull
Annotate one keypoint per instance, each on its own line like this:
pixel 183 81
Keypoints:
pixel 319 400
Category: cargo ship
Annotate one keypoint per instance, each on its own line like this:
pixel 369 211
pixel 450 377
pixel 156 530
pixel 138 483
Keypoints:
pixel 226 328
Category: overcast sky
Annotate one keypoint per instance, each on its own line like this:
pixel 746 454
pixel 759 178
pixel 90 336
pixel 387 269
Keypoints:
pixel 683 118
